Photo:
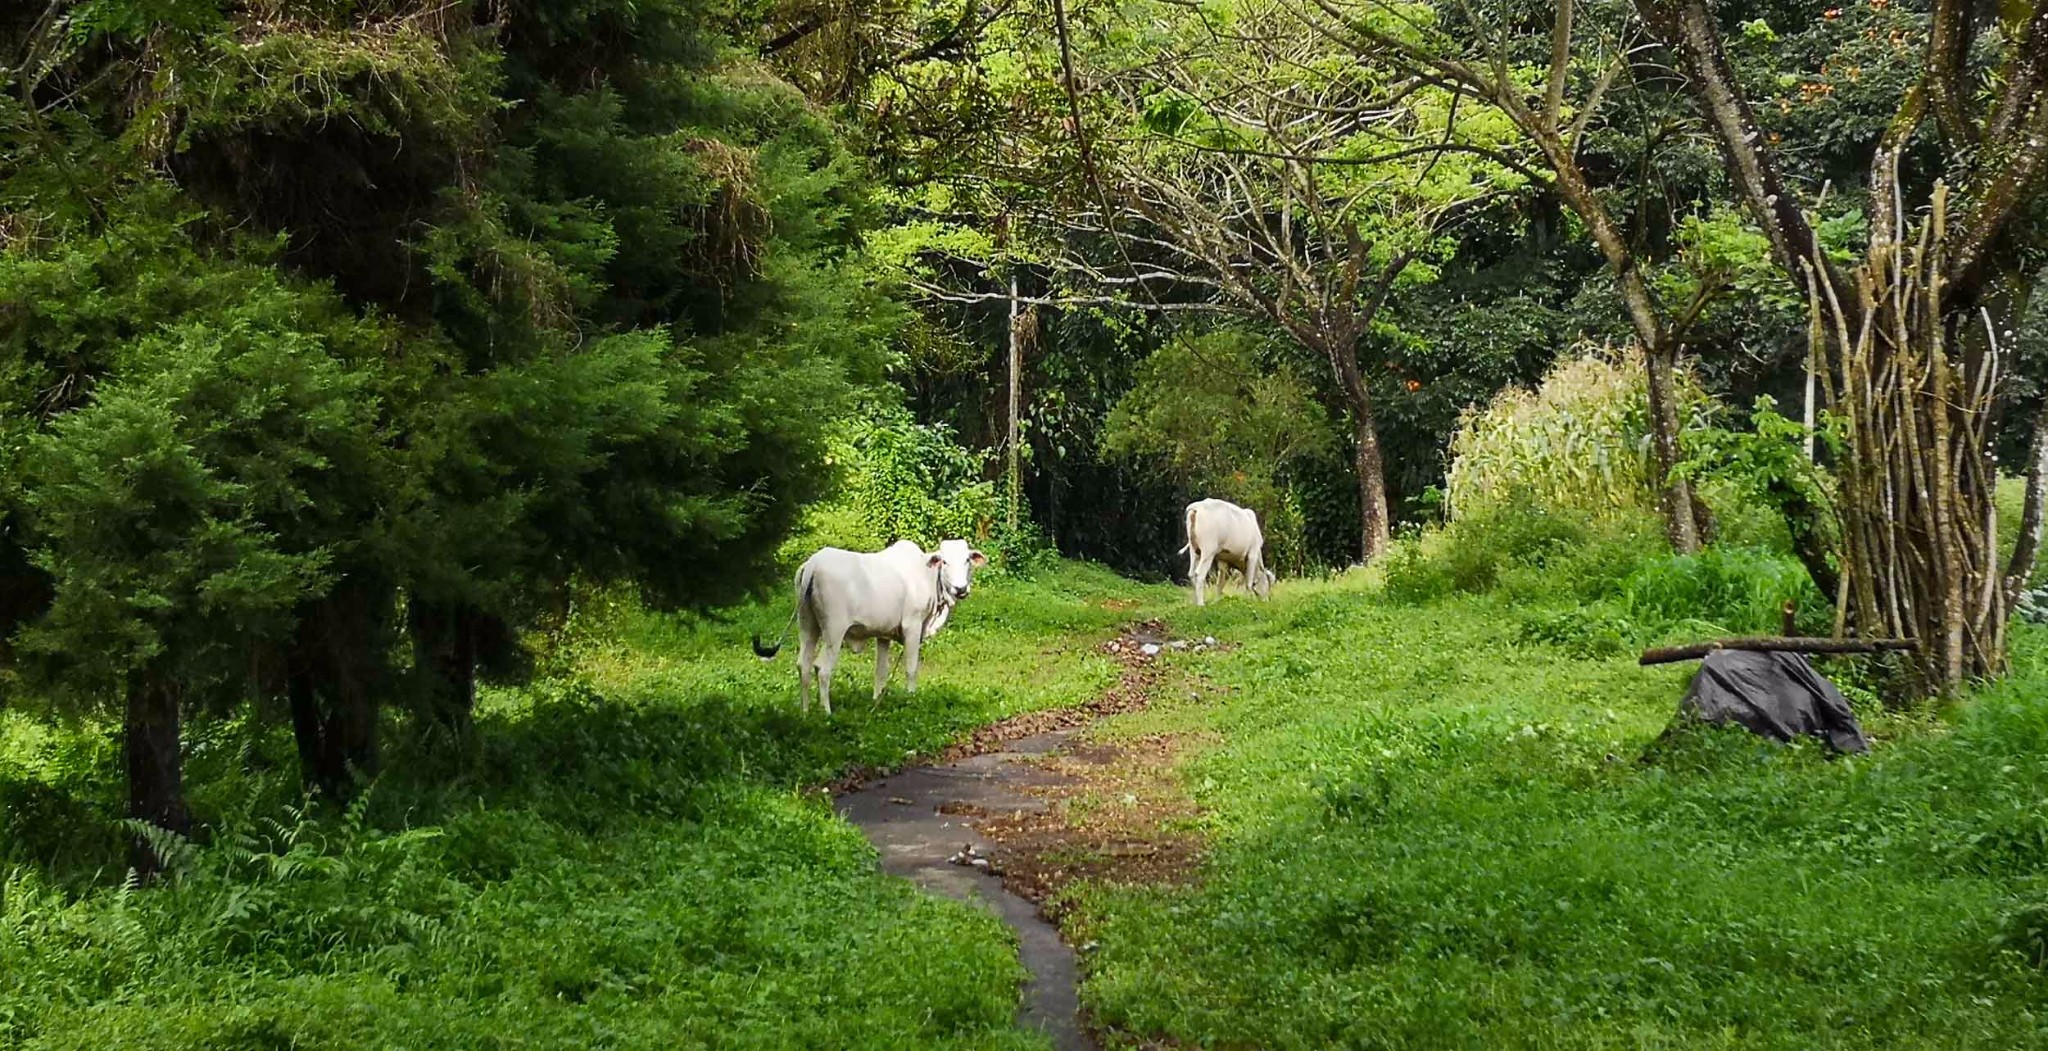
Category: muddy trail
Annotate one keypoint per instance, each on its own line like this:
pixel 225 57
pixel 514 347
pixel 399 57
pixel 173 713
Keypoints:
pixel 985 822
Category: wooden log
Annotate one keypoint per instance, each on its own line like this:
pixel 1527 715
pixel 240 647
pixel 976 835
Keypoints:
pixel 1672 654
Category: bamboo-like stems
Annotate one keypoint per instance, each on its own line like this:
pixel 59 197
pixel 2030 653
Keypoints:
pixel 1919 527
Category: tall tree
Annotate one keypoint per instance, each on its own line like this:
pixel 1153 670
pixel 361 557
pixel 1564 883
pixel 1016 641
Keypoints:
pixel 1299 200
pixel 1554 78
pixel 329 330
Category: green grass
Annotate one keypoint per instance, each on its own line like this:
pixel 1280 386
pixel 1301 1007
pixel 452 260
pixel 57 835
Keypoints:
pixel 635 857
pixel 1431 832
pixel 1430 824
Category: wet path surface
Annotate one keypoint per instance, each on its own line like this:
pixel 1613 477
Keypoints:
pixel 906 816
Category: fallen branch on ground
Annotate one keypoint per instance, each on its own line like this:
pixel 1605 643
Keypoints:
pixel 1672 654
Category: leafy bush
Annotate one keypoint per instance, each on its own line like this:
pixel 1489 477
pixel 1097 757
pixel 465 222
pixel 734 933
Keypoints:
pixel 1598 587
pixel 1476 553
pixel 904 480
pixel 1225 419
pixel 1725 590
pixel 1769 489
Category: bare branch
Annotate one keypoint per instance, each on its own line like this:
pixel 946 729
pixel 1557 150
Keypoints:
pixel 1560 66
pixel 956 296
pixel 1585 115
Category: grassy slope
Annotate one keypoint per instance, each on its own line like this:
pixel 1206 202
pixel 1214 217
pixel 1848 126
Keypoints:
pixel 1428 835
pixel 631 862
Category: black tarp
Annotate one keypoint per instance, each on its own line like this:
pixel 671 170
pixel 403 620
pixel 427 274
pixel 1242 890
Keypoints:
pixel 1777 695
pixel 2032 605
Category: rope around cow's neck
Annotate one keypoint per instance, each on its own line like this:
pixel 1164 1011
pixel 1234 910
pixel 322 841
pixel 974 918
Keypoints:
pixel 939 601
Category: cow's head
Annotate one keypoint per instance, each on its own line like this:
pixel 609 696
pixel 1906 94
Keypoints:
pixel 1262 582
pixel 956 563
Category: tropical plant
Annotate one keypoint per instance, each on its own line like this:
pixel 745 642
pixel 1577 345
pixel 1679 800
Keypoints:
pixel 1579 442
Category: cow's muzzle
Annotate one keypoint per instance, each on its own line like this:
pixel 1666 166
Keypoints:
pixel 959 592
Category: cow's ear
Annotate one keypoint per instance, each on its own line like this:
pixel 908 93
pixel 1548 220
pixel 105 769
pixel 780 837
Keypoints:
pixel 977 558
pixel 934 560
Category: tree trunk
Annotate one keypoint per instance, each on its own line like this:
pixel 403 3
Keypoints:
pixel 309 733
pixel 444 638
pixel 1375 531
pixel 2020 568
pixel 333 689
pixel 1918 513
pixel 1684 515
pixel 156 788
pixel 1681 513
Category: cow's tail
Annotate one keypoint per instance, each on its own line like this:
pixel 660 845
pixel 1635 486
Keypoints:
pixel 803 598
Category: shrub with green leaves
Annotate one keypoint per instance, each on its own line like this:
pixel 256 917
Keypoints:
pixel 1768 467
pixel 904 480
pixel 1227 416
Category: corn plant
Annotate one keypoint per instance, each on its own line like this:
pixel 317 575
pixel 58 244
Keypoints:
pixel 1578 442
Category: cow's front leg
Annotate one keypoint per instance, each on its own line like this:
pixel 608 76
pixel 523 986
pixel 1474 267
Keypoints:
pixel 913 643
pixel 881 667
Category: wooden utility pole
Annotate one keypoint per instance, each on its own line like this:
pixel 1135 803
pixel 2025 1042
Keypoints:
pixel 1014 475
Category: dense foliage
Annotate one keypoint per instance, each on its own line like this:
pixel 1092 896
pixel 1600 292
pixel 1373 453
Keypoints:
pixel 1579 442
pixel 406 405
pixel 340 340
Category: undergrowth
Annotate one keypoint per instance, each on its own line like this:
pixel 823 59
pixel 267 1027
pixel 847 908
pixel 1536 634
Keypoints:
pixel 632 853
pixel 1431 833
pixel 1600 587
pixel 1427 826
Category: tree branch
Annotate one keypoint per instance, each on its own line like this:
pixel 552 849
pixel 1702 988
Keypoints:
pixel 1560 66
pixel 1674 654
pixel 1585 114
pixel 1950 31
pixel 1689 28
pixel 2020 568
pixel 955 296
pixel 2025 75
pixel 1423 149
pixel 792 36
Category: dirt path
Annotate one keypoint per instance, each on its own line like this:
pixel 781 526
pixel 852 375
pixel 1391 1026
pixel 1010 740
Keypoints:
pixel 987 823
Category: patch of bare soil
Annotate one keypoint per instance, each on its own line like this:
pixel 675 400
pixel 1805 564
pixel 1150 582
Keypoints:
pixel 1039 805
pixel 1115 812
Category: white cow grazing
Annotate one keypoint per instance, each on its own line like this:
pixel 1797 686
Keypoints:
pixel 1220 531
pixel 899 594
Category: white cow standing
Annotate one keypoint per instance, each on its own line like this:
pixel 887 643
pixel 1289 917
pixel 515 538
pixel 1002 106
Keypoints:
pixel 1220 531
pixel 899 594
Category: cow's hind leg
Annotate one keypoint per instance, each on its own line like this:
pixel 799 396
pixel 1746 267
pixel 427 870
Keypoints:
pixel 1205 562
pixel 881 667
pixel 828 660
pixel 806 657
